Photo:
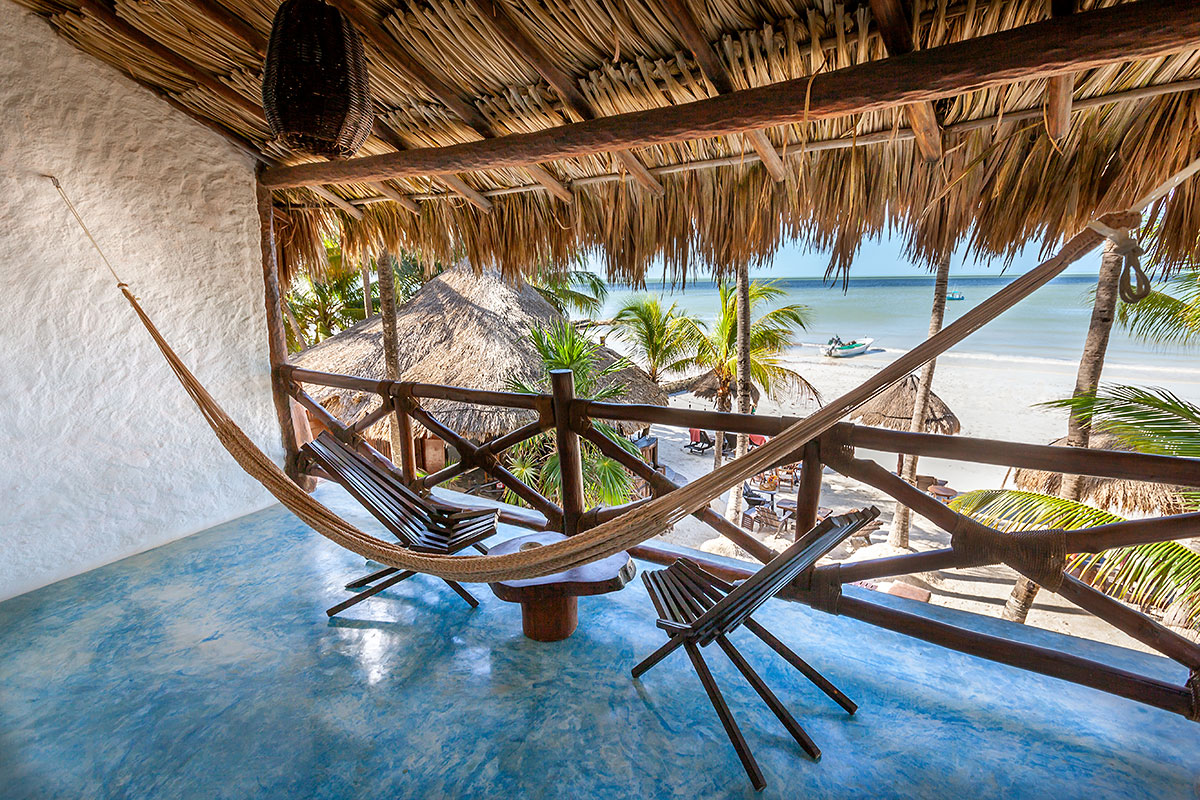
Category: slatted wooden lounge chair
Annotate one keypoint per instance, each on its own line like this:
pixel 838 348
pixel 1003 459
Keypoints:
pixel 412 519
pixel 700 441
pixel 696 608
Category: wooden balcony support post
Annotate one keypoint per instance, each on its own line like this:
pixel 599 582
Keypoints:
pixel 403 435
pixel 570 457
pixel 293 425
pixel 808 493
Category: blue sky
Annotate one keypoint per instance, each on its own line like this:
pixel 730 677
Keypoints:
pixel 885 258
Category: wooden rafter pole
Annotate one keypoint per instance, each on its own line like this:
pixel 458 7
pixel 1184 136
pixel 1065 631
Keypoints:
pixel 375 33
pixel 1128 32
pixel 293 426
pixel 509 30
pixel 684 22
pixel 456 184
pixel 218 13
pixel 897 33
pixel 1060 88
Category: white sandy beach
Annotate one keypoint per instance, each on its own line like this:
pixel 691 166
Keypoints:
pixel 993 398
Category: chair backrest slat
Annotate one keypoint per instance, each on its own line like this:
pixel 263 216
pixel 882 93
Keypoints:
pixel 733 609
pixel 378 492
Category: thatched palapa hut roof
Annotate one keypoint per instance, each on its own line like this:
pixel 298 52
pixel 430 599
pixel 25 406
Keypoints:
pixel 468 84
pixel 894 409
pixel 460 329
pixel 1110 494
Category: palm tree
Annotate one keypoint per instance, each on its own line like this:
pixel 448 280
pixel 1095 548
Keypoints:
pixel 658 336
pixel 535 461
pixel 322 308
pixel 773 332
pixel 1146 420
pixel 1087 381
pixel 898 537
pixel 578 290
pixel 1168 315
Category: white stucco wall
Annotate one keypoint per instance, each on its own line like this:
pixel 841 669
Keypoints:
pixel 103 455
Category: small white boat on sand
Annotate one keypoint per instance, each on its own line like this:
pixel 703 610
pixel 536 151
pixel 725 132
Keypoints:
pixel 836 348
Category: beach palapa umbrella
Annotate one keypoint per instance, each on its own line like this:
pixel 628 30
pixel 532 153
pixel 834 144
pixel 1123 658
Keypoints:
pixel 894 409
pixel 1111 494
pixel 705 387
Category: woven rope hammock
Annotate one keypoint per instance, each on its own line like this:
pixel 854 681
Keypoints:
pixel 645 521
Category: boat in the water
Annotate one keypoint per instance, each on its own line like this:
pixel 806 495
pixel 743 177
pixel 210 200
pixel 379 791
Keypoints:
pixel 836 348
pixel 956 296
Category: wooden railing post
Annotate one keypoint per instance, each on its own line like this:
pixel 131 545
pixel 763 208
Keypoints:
pixel 404 434
pixel 808 493
pixel 570 458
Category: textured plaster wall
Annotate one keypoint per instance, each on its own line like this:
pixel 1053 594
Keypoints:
pixel 101 453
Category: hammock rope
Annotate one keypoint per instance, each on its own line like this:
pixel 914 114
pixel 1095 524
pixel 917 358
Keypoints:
pixel 639 524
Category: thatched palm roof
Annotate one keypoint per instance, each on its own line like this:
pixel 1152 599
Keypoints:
pixel 1001 182
pixel 894 409
pixel 460 329
pixel 1110 494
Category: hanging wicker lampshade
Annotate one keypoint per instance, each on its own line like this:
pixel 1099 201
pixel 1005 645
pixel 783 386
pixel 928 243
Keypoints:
pixel 315 89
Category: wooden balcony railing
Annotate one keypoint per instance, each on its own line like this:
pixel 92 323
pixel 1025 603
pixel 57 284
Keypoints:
pixel 1038 555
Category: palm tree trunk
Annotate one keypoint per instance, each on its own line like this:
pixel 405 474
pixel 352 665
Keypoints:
pixel 366 280
pixel 743 378
pixel 1087 379
pixel 898 537
pixel 391 349
pixel 294 324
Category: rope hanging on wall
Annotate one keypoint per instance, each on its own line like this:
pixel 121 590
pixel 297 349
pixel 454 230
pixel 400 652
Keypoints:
pixel 316 92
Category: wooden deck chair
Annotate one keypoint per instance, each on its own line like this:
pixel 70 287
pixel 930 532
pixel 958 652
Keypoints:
pixel 696 608
pixel 699 441
pixel 416 522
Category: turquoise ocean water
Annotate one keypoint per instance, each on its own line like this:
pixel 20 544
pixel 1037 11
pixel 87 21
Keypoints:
pixel 1048 326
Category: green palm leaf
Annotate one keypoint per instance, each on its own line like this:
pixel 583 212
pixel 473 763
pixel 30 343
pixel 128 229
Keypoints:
pixel 1149 575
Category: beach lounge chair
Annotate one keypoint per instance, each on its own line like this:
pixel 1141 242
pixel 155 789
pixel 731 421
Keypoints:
pixel 753 497
pixel 696 608
pixel 768 521
pixel 417 523
pixel 700 442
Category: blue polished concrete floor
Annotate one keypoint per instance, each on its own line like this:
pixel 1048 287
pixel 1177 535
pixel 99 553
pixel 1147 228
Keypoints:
pixel 207 668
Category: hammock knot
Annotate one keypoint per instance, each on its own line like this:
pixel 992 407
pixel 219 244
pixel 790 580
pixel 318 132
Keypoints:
pixel 1040 555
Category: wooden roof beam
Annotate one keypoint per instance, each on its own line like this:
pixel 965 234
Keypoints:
pixel 1060 88
pixel 532 54
pixel 894 27
pixel 418 72
pixel 1091 39
pixel 456 184
pixel 681 17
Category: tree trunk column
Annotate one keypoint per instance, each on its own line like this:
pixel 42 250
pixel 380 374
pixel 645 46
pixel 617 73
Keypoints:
pixel 366 282
pixel 808 493
pixel 734 511
pixel 901 522
pixel 293 425
pixel 570 459
pixel 400 433
pixel 1087 379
